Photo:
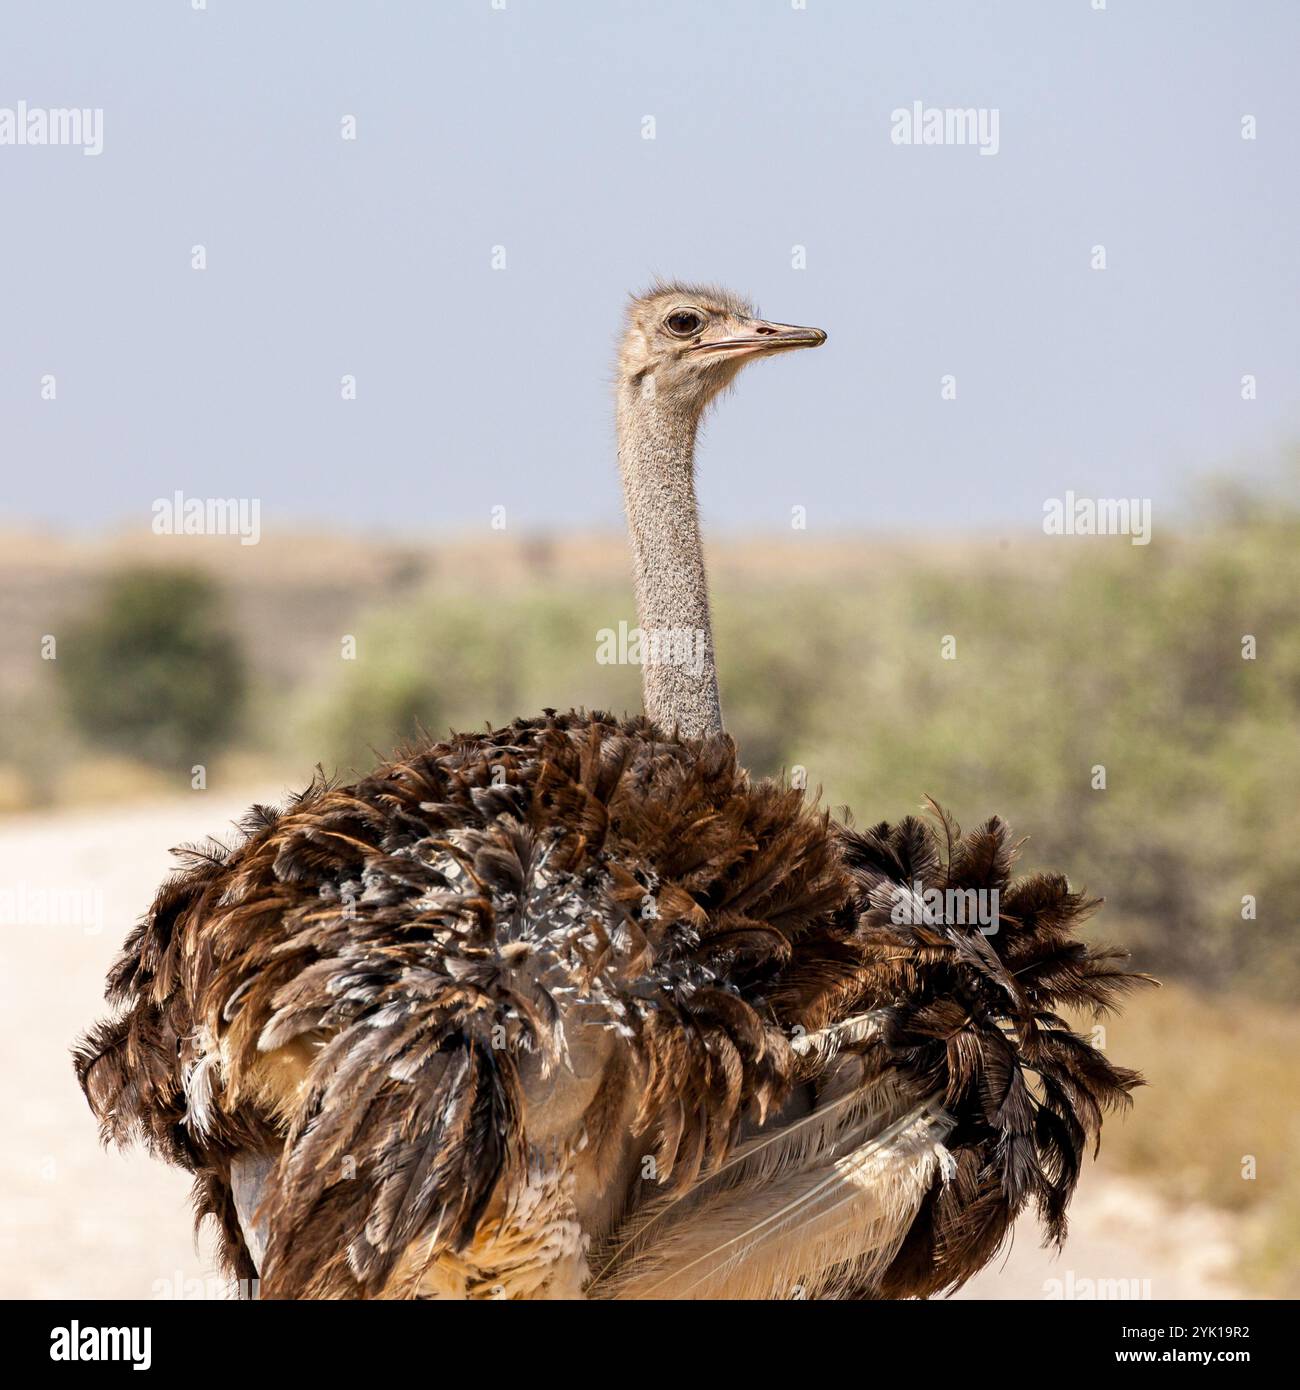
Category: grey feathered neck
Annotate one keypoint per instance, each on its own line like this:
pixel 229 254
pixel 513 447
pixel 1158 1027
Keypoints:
pixel 656 453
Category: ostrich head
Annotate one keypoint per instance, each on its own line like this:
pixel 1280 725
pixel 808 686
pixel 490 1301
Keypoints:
pixel 681 346
pixel 684 343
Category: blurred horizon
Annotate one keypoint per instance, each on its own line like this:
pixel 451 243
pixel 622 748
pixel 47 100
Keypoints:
pixel 1205 497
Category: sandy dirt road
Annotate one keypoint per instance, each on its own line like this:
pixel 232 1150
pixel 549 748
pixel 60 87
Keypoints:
pixel 76 1221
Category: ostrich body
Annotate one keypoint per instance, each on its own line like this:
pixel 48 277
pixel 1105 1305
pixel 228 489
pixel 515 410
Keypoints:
pixel 576 1008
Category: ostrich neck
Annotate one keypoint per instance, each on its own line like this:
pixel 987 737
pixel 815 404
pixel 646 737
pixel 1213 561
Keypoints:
pixel 679 676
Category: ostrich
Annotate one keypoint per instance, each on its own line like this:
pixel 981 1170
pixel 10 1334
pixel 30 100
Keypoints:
pixel 576 1008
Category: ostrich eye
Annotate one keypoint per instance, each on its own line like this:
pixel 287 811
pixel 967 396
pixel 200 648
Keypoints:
pixel 684 323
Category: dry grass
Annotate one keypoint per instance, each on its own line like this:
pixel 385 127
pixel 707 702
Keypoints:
pixel 1221 1092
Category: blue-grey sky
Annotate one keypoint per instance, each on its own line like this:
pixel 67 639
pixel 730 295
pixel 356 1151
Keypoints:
pixel 522 127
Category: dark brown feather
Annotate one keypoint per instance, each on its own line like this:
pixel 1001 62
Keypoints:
pixel 381 980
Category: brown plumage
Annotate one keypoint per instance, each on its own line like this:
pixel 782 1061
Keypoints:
pixel 392 973
pixel 576 1007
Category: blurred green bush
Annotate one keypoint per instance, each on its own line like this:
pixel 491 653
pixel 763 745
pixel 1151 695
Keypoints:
pixel 154 671
pixel 1128 659
pixel 456 660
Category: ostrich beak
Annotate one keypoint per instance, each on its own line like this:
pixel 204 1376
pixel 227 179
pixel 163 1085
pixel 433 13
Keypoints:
pixel 758 338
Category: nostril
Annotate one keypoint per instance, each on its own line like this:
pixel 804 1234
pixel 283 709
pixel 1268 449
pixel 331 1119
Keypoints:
pixel 765 329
